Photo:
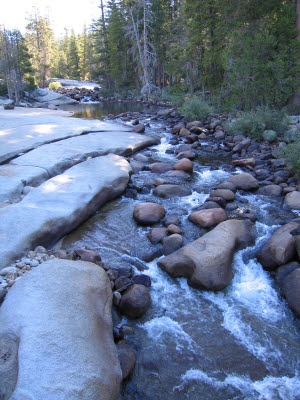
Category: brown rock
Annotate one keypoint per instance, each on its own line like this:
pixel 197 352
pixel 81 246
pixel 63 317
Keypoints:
pixel 207 262
pixel 208 218
pixel 167 191
pixel 157 234
pixel 244 181
pixel 226 194
pixel 148 213
pixel 140 128
pixel 127 358
pixel 160 167
pixel 172 228
pixel 186 154
pixel 185 165
pixel 135 301
pixel 184 132
pixel 292 200
pixel 172 243
pixel 244 162
pixel 291 290
pixel 88 255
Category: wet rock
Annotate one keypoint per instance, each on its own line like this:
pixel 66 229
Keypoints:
pixel 185 165
pixel 187 154
pixel 116 298
pixel 292 200
pixel 244 144
pixel 142 279
pixel 172 243
pixel 127 358
pixel 172 219
pixel 203 136
pixel 297 243
pixel 210 204
pixel 164 113
pixel 157 234
pixel 291 290
pixel 172 228
pixel 124 270
pixel 131 193
pixel 167 191
pixel 208 218
pixel 137 166
pixel 160 167
pixel 244 162
pixel 126 330
pixel 184 132
pixel 244 181
pixel 2 295
pixel 280 248
pixel 218 200
pixel 140 128
pixel 61 254
pixel 226 194
pixel 121 282
pixel 270 190
pixel 88 255
pixel 227 185
pixel 141 158
pixel 193 124
pixel 178 174
pixel 135 301
pixel 148 213
pixel 207 262
pixel 283 271
pixel 231 207
pixel 220 135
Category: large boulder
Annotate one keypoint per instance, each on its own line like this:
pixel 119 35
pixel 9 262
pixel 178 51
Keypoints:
pixel 185 165
pixel 291 290
pixel 280 248
pixel 292 200
pixel 135 301
pixel 59 314
pixel 47 97
pixel 169 190
pixel 207 262
pixel 208 217
pixel 244 181
pixel 148 213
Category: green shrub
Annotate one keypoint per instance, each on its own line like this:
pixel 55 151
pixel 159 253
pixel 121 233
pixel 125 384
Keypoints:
pixel 254 123
pixel 195 109
pixel 54 85
pixel 291 151
pixel 3 88
pixel 30 82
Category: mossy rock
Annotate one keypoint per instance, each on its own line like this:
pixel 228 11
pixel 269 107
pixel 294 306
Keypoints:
pixel 269 135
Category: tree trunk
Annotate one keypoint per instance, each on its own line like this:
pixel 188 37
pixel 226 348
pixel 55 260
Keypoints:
pixel 295 98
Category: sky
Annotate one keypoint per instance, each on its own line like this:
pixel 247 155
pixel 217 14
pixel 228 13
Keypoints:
pixel 62 13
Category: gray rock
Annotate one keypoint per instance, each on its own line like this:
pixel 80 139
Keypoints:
pixel 8 365
pixel 184 132
pixel 60 204
pixel 148 213
pixel 167 191
pixel 297 243
pixel 185 165
pixel 187 154
pixel 140 128
pixel 61 314
pixel 244 181
pixel 164 113
pixel 291 290
pixel 2 296
pixel 127 358
pixel 270 190
pixel 160 167
pixel 88 255
pixel 207 262
pixel 50 97
pixel 142 279
pixel 292 200
pixel 135 301
pixel 172 243
pixel 280 248
pixel 157 234
pixel 8 270
pixel 226 194
pixel 283 271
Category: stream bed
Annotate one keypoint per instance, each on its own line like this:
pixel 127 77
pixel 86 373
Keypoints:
pixel 240 343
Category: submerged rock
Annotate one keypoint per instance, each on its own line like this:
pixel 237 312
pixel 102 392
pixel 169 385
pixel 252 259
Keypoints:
pixel 207 262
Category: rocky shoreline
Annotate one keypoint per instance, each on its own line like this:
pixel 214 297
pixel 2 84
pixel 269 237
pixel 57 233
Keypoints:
pixel 226 228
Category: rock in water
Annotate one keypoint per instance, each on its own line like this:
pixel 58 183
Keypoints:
pixel 280 248
pixel 244 181
pixel 148 213
pixel 291 290
pixel 135 301
pixel 61 315
pixel 207 262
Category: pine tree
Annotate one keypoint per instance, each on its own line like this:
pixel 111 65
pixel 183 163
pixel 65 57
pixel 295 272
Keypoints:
pixel 74 70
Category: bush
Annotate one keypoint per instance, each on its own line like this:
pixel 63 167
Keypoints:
pixel 195 109
pixel 291 152
pixel 3 88
pixel 254 123
pixel 54 85
pixel 30 83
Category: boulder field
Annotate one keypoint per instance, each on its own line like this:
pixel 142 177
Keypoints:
pixel 56 335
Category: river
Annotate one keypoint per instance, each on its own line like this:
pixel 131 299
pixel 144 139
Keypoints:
pixel 240 343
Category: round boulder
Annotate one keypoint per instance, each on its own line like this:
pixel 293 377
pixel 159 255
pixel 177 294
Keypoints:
pixel 244 181
pixel 226 194
pixel 172 243
pixel 160 167
pixel 185 165
pixel 135 301
pixel 292 200
pixel 148 213
pixel 208 218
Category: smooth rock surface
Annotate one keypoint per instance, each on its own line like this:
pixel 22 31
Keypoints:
pixel 244 181
pixel 208 217
pixel 148 213
pixel 135 301
pixel 168 190
pixel 207 262
pixel 61 314
pixel 24 129
pixel 13 178
pixel 59 156
pixel 292 200
pixel 280 248
pixel 291 290
pixel 59 205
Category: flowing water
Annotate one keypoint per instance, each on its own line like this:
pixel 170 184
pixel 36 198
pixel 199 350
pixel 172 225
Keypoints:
pixel 241 343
